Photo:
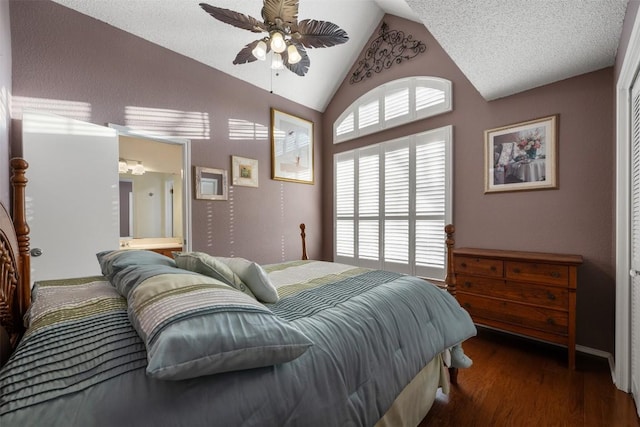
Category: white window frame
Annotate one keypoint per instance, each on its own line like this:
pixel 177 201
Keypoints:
pixel 379 94
pixel 443 133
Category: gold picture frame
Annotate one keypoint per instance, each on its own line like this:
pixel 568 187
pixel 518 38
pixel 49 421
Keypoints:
pixel 244 172
pixel 522 156
pixel 291 148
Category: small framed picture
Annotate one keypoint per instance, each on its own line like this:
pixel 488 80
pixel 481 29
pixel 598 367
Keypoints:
pixel 211 184
pixel 522 156
pixel 291 148
pixel 244 171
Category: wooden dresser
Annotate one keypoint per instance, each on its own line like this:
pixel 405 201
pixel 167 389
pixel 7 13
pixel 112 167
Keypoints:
pixel 167 251
pixel 527 293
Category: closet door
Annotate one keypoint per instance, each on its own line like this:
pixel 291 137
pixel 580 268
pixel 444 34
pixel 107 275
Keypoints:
pixel 635 243
pixel 72 194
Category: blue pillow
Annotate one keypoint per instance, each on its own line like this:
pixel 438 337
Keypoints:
pixel 111 262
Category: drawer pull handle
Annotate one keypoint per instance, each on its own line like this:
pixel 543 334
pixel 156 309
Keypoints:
pixel 516 270
pixel 467 284
pixel 551 321
pixel 493 268
pixel 467 305
pixel 555 274
pixel 463 265
pixel 551 296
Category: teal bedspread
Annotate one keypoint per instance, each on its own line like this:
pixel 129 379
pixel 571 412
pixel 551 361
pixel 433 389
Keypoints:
pixel 83 364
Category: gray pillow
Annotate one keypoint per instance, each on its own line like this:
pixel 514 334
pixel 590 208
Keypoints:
pixel 111 262
pixel 255 277
pixel 210 266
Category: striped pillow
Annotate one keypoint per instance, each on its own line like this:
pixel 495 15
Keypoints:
pixel 195 325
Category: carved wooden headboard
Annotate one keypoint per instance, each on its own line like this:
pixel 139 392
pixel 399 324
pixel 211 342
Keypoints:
pixel 15 265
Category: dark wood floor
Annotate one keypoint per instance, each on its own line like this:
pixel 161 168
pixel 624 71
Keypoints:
pixel 518 382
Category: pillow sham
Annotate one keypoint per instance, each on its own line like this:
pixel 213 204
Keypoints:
pixel 210 266
pixel 195 325
pixel 111 262
pixel 255 277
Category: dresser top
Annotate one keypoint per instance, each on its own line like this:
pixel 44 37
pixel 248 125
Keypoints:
pixel 520 255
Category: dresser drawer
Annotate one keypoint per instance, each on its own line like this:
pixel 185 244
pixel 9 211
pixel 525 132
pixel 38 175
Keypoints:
pixel 533 317
pixel 550 274
pixel 481 266
pixel 529 293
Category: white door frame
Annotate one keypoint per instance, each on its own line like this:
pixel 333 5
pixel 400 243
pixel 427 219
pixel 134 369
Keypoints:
pixel 630 67
pixel 186 178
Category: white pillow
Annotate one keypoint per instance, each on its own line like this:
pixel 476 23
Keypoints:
pixel 254 276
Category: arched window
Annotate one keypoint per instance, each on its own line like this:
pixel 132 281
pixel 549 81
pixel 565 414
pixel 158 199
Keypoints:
pixel 391 104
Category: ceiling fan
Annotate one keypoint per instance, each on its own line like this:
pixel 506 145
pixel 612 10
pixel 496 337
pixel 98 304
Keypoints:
pixel 287 38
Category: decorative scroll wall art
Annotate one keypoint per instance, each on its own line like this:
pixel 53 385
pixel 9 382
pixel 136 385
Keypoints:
pixel 390 47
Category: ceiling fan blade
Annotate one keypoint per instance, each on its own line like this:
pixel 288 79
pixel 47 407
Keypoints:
pixel 302 66
pixel 312 33
pixel 234 18
pixel 246 53
pixel 287 10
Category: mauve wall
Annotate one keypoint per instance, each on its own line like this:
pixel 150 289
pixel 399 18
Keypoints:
pixel 576 218
pixel 5 94
pixel 60 54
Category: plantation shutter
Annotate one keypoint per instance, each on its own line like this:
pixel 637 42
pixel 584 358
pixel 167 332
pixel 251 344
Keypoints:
pixel 635 240
pixel 392 201
pixel 396 206
pixel 345 206
pixel 430 205
pixel 369 204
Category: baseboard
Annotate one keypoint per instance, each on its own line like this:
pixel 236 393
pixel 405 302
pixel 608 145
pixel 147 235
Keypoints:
pixel 600 353
pixel 580 348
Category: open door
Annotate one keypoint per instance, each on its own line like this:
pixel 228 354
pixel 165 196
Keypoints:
pixel 72 195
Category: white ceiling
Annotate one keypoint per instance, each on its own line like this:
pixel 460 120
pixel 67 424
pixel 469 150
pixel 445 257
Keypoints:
pixel 502 46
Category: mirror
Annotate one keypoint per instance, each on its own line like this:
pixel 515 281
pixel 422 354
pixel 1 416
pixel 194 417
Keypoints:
pixel 211 184
pixel 152 202
pixel 150 205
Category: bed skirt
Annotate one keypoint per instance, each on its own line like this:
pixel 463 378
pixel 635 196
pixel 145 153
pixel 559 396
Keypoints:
pixel 415 400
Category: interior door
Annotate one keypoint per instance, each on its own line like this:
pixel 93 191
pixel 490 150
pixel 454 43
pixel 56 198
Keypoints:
pixel 72 195
pixel 635 244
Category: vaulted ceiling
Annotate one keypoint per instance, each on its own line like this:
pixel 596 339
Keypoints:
pixel 502 46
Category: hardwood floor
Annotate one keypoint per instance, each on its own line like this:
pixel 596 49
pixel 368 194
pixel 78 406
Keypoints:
pixel 518 382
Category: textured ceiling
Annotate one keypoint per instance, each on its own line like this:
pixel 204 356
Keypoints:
pixel 502 46
pixel 507 46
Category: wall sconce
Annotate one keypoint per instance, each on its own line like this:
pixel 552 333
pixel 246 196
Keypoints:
pixel 124 167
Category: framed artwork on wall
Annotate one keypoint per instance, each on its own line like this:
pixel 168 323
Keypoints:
pixel 211 184
pixel 521 156
pixel 244 171
pixel 291 148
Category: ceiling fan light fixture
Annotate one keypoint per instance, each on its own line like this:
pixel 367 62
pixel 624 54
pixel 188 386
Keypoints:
pixel 293 55
pixel 280 22
pixel 276 62
pixel 260 51
pixel 278 44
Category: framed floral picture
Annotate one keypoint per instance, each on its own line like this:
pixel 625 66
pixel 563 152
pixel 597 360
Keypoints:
pixel 291 148
pixel 521 156
pixel 244 171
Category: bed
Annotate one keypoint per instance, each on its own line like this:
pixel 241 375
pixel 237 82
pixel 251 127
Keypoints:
pixel 201 340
